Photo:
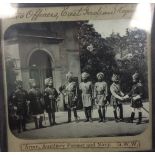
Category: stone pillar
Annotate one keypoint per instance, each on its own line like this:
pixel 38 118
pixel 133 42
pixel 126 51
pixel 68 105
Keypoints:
pixel 12 52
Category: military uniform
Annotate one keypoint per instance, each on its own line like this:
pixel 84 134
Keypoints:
pixel 69 91
pixel 50 97
pixel 19 99
pixel 87 92
pixel 36 104
pixel 136 97
pixel 136 91
pixel 116 97
pixel 100 96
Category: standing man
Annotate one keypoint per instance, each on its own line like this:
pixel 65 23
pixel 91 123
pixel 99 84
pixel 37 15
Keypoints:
pixel 136 98
pixel 87 92
pixel 19 102
pixel 36 104
pixel 50 98
pixel 117 97
pixel 69 91
pixel 100 96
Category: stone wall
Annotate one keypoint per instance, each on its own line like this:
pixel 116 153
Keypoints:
pixel 64 54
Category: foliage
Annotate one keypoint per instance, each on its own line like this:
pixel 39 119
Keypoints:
pixel 123 54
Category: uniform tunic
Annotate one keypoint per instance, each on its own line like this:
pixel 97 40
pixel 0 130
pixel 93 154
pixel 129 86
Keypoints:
pixel 86 88
pixel 36 106
pixel 136 91
pixel 50 96
pixel 70 94
pixel 116 94
pixel 100 92
pixel 18 99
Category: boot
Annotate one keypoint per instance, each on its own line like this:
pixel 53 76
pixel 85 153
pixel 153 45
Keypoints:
pixel 87 116
pixel 140 118
pixel 100 115
pixel 24 124
pixel 40 122
pixel 75 115
pixel 18 126
pixel 36 123
pixel 103 114
pixel 50 118
pixel 121 113
pixel 69 115
pixel 115 115
pixel 53 116
pixel 132 117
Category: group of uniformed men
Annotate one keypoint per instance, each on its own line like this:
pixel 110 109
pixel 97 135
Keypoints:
pixel 22 101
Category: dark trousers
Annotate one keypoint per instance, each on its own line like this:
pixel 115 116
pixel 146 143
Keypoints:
pixel 120 107
pixel 69 113
pixel 88 112
pixel 51 116
pixel 21 123
pixel 101 112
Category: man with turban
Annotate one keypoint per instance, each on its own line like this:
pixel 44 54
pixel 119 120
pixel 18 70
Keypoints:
pixel 69 91
pixel 36 104
pixel 50 98
pixel 87 92
pixel 100 95
pixel 117 96
pixel 19 102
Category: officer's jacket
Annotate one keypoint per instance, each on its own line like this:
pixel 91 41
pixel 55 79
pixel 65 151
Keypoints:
pixel 86 87
pixel 69 88
pixel 19 99
pixel 50 96
pixel 100 88
pixel 36 102
pixel 35 95
pixel 116 93
pixel 136 91
pixel 70 93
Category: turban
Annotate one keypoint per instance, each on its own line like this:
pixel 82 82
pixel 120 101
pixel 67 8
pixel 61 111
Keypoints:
pixel 48 80
pixel 100 75
pixel 85 75
pixel 69 75
pixel 31 81
pixel 115 78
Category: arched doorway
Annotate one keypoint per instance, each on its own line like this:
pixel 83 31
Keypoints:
pixel 40 65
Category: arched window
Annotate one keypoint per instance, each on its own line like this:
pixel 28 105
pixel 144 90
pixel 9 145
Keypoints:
pixel 40 65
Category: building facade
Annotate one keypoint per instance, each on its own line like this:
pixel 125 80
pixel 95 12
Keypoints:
pixel 42 50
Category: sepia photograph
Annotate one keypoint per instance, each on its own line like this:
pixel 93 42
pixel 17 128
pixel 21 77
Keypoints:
pixel 76 79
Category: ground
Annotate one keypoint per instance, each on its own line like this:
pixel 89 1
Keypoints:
pixel 88 129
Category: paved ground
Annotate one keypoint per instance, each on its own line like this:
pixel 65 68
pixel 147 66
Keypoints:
pixel 87 129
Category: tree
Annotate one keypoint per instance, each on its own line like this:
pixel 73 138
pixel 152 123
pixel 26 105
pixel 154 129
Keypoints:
pixel 122 54
pixel 95 52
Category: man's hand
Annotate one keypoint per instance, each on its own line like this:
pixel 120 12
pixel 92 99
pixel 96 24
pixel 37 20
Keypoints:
pixel 136 97
pixel 126 97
